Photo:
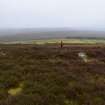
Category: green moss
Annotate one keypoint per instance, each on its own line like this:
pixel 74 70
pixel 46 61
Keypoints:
pixel 17 90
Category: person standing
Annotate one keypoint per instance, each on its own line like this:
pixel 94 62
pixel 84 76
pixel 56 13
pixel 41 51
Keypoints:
pixel 61 44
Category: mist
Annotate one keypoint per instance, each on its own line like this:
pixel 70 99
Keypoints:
pixel 73 14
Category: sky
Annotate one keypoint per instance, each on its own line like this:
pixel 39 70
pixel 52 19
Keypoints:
pixel 74 14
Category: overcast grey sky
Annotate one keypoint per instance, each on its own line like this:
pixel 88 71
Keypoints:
pixel 82 14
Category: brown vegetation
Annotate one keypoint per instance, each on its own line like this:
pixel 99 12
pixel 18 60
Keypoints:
pixel 51 75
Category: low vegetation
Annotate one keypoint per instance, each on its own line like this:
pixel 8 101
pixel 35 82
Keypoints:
pixel 65 40
pixel 50 75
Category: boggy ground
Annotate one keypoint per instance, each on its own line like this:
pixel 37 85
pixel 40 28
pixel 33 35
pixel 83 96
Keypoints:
pixel 50 75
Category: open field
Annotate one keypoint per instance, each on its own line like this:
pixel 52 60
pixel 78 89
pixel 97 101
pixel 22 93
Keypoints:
pixel 70 41
pixel 57 41
pixel 49 75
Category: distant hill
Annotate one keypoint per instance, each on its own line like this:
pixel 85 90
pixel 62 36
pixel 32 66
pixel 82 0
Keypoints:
pixel 41 33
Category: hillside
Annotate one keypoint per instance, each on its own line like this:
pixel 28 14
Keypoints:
pixel 32 34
